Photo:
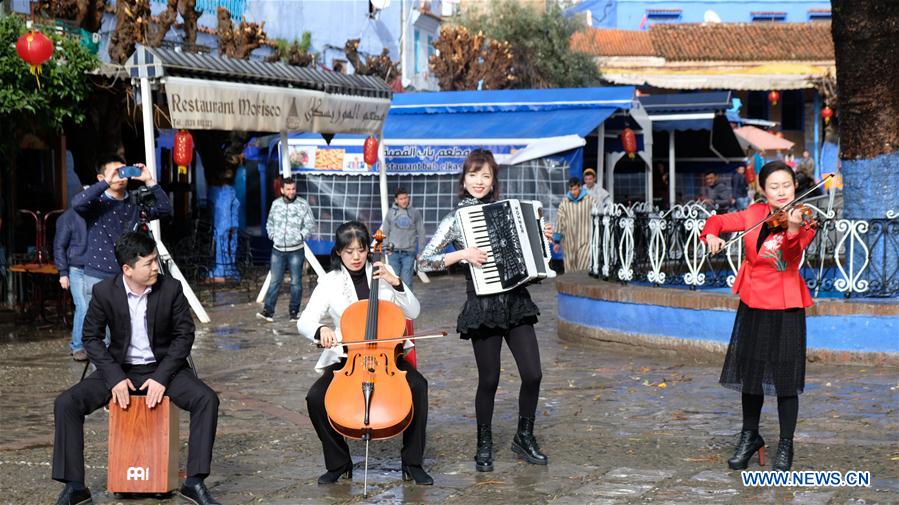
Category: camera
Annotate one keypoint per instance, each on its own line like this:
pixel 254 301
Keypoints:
pixel 143 198
pixel 129 171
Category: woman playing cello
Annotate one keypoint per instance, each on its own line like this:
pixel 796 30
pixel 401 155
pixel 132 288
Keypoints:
pixel 766 355
pixel 346 283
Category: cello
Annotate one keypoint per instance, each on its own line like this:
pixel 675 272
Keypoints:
pixel 369 397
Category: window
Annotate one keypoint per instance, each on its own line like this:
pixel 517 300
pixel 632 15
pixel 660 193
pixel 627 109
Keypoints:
pixel 819 15
pixel 418 58
pixel 431 50
pixel 757 105
pixel 792 109
pixel 664 15
pixel 766 16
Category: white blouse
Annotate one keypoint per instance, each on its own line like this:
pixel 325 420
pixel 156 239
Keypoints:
pixel 333 294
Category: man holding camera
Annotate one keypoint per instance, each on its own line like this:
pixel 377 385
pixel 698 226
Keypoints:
pixel 111 210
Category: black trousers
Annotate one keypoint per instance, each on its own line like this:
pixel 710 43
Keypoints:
pixel 334 446
pixel 185 391
pixel 522 341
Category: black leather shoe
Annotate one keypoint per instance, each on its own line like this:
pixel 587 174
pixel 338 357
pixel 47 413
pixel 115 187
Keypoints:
pixel 71 496
pixel 418 474
pixel 525 444
pixel 333 476
pixel 483 458
pixel 783 460
pixel 197 494
pixel 750 443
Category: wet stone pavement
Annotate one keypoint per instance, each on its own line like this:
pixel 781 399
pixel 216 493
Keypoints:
pixel 621 425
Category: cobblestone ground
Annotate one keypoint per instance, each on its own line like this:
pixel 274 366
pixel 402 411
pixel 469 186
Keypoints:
pixel 613 433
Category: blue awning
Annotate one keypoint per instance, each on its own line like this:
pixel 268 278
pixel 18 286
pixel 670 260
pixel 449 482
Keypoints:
pixel 512 100
pixel 685 111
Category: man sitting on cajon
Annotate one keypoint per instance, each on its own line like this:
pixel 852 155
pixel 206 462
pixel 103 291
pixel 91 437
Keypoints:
pixel 152 332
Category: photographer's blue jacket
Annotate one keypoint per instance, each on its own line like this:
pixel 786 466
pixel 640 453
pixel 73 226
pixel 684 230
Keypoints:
pixel 107 219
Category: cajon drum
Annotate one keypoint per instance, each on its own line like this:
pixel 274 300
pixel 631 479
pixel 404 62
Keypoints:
pixel 143 447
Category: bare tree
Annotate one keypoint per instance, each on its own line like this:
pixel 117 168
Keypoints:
pixel 464 60
pixel 381 65
pixel 238 42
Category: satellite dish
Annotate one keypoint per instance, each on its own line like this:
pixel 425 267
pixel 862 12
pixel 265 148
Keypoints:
pixel 380 4
pixel 711 16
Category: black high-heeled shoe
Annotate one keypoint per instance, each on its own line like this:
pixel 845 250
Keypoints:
pixel 750 443
pixel 418 474
pixel 330 477
pixel 783 460
pixel 483 458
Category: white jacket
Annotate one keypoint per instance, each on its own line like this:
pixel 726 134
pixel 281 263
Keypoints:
pixel 333 294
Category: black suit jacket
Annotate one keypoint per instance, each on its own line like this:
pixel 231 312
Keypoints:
pixel 169 326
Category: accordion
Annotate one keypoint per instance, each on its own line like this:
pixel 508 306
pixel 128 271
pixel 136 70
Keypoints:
pixel 511 233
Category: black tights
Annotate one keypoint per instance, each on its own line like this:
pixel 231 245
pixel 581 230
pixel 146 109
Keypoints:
pixel 787 413
pixel 522 341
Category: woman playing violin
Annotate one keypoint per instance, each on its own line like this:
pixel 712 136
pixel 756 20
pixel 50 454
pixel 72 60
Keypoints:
pixel 346 283
pixel 766 355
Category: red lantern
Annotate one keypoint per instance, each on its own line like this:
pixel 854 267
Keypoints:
pixel 773 97
pixel 826 113
pixel 183 150
pixel 370 151
pixel 629 141
pixel 35 48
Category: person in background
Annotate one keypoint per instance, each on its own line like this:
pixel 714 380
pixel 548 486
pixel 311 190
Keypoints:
pixel 405 231
pixel 574 225
pixel 69 247
pixel 715 194
pixel 806 165
pixel 739 189
pixel 109 211
pixel 600 196
pixel 290 221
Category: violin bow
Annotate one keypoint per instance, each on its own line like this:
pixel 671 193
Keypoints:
pixel 787 206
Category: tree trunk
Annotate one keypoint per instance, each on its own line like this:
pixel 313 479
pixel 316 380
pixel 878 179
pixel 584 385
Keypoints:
pixel 867 60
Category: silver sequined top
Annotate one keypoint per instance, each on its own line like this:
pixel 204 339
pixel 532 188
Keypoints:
pixel 448 232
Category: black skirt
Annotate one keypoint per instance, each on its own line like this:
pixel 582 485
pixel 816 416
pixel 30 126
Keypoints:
pixel 766 354
pixel 489 315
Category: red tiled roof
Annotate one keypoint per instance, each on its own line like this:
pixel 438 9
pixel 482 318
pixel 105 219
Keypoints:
pixel 714 42
pixel 613 43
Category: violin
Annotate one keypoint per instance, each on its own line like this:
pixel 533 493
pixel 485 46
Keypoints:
pixel 369 397
pixel 779 220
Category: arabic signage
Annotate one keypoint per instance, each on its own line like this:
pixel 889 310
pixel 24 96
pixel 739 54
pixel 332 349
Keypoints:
pixel 401 159
pixel 209 105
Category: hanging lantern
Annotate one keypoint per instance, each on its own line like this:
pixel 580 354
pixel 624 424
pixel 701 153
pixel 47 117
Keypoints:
pixel 183 150
pixel 370 151
pixel 826 113
pixel 35 48
pixel 629 141
pixel 773 97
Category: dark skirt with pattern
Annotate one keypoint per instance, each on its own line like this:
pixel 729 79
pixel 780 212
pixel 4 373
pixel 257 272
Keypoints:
pixel 489 315
pixel 766 354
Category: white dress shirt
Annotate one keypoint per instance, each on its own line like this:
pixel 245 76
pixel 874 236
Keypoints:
pixel 139 351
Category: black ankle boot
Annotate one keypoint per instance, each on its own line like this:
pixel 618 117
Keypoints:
pixel 331 477
pixel 525 444
pixel 750 442
pixel 418 474
pixel 483 459
pixel 783 460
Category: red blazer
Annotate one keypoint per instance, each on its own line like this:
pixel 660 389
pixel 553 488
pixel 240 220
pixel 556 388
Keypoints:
pixel 769 278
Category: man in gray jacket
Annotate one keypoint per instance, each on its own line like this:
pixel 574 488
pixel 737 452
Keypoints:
pixel 290 221
pixel 405 230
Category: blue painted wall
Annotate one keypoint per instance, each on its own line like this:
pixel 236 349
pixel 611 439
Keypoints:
pixel 628 14
pixel 842 333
